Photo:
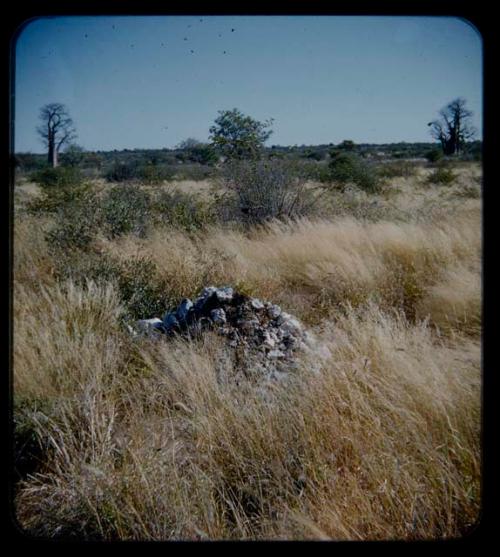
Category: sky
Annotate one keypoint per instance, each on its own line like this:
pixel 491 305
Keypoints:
pixel 151 82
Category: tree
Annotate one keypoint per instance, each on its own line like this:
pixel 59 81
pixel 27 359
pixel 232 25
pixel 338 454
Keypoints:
pixel 73 155
pixel 453 128
pixel 55 130
pixel 197 151
pixel 347 145
pixel 237 136
pixel 189 143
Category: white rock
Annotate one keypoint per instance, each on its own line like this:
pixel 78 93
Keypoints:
pixel 273 311
pixel 269 340
pixel 218 316
pixel 289 324
pixel 275 354
pixel 146 326
pixel 153 323
pixel 224 294
pixel 256 303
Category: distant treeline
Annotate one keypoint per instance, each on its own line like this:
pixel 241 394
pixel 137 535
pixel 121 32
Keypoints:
pixel 199 162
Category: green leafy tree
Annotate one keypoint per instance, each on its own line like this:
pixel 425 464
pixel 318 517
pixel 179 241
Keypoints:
pixel 73 155
pixel 197 151
pixel 236 136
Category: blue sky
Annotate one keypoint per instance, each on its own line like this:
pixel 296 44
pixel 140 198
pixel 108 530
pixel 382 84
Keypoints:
pixel 150 82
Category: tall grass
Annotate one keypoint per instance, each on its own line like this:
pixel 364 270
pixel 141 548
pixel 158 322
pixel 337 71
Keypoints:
pixel 141 439
pixel 316 266
pixel 381 442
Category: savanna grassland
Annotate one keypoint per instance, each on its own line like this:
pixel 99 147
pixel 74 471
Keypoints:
pixel 122 438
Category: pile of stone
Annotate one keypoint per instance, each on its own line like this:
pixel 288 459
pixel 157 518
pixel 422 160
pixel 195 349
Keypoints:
pixel 261 332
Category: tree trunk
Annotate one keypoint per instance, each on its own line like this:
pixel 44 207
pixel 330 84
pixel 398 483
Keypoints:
pixel 52 156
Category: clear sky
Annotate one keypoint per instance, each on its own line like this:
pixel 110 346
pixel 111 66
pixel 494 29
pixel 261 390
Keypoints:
pixel 150 82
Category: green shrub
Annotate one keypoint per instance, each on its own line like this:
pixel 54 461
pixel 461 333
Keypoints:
pixel 434 155
pixel 125 208
pixel 142 290
pixel 76 224
pixel 314 155
pixel 61 176
pixel 53 198
pixel 154 174
pixel 122 172
pixel 182 210
pixel 349 168
pixel 442 175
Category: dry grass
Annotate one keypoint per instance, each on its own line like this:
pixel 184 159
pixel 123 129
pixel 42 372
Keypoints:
pixel 310 266
pixel 147 440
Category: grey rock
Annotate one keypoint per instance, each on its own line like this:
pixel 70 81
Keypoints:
pixel 269 339
pixel 218 316
pixel 224 294
pixel 275 354
pixel 146 327
pixel 273 311
pixel 289 324
pixel 266 340
pixel 256 303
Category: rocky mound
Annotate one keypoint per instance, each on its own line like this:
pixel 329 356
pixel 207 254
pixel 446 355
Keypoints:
pixel 263 335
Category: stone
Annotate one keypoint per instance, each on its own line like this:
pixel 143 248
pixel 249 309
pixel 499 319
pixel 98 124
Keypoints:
pixel 224 294
pixel 289 324
pixel 273 311
pixel 269 339
pixel 256 303
pixel 170 321
pixel 154 323
pixel 218 316
pixel 183 309
pixel 264 339
pixel 203 297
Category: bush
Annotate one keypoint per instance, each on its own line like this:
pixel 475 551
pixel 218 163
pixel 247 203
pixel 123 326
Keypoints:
pixel 154 174
pixel 122 172
pixel 202 154
pixel 434 155
pixel 141 289
pixel 194 172
pixel 442 175
pixel 349 168
pixel 54 198
pixel 182 210
pixel 76 224
pixel 400 169
pixel 61 176
pixel 267 189
pixel 125 209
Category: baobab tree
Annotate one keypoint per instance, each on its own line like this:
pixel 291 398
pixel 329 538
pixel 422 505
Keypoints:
pixel 453 128
pixel 55 130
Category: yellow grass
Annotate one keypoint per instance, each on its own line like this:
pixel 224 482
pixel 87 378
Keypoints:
pixel 148 440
